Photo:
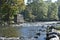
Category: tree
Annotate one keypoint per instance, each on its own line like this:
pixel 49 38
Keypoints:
pixel 39 9
pixel 36 11
pixel 10 8
pixel 53 12
pixel 28 16
pixel 58 3
pixel 59 12
pixel 42 12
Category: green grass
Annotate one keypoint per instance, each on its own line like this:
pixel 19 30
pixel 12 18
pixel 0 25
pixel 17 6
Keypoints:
pixel 57 27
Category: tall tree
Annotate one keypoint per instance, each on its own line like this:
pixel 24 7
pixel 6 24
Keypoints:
pixel 36 11
pixel 10 8
pixel 58 3
pixel 53 12
pixel 59 12
pixel 28 16
pixel 39 9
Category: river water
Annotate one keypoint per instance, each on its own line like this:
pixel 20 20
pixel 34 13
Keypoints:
pixel 33 32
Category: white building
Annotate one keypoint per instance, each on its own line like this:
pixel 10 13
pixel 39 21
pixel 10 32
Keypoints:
pixel 18 18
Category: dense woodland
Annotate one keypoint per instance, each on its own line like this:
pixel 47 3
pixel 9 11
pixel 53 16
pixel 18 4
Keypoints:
pixel 36 11
pixel 42 11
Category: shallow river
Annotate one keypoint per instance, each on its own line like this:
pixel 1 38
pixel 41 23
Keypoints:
pixel 33 33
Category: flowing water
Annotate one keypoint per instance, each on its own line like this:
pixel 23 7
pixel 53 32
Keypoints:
pixel 33 32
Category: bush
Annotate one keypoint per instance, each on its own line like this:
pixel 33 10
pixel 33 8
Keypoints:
pixel 57 27
pixel 9 32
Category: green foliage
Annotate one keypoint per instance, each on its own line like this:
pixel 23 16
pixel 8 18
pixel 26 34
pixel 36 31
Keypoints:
pixel 28 14
pixel 59 12
pixel 9 32
pixel 57 27
pixel 58 3
pixel 10 8
pixel 42 12
pixel 53 12
pixel 36 11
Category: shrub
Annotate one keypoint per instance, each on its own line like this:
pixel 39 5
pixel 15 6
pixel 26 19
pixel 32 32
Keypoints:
pixel 9 32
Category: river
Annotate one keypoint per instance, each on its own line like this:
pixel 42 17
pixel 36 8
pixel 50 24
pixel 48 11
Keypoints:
pixel 33 32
